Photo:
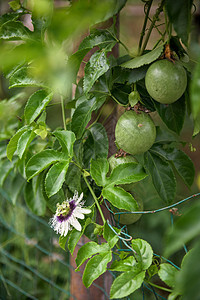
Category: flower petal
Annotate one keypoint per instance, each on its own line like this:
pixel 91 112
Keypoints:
pixel 80 198
pixel 78 215
pixel 83 210
pixel 74 222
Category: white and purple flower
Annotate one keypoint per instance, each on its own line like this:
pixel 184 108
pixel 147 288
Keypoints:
pixel 67 214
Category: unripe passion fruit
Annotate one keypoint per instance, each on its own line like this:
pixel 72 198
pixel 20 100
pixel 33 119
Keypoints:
pixel 166 81
pixel 135 132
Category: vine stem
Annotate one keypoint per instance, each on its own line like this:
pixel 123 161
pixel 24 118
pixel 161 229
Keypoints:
pixel 155 17
pixel 95 199
pixel 160 287
pixel 144 26
pixel 63 112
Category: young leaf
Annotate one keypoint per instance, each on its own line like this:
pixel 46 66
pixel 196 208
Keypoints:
pixel 23 77
pixel 97 66
pixel 96 266
pixel 179 13
pixel 173 115
pixel 126 173
pixel 144 253
pixel 33 195
pixel 145 59
pixel 167 273
pixel 82 116
pixel 162 176
pixel 41 161
pixel 12 145
pixel 55 177
pixel 36 104
pixel 100 140
pixel 99 168
pixel 66 140
pixel 24 141
pixel 88 250
pixel 120 198
pixel 14 30
pixel 110 236
pixel 126 283
pixel 125 265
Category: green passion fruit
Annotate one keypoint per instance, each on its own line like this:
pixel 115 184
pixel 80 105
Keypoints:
pixel 127 219
pixel 135 132
pixel 166 81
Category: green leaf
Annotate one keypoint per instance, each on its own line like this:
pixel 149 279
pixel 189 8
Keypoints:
pixel 120 93
pixel 195 90
pixel 96 266
pixel 126 173
pixel 75 236
pixel 181 162
pixel 57 198
pixel 15 187
pixel 98 170
pixel 55 177
pixel 110 236
pixel 66 140
pixel 15 5
pixel 14 30
pixel 162 176
pixel 41 161
pixel 167 274
pixel 88 250
pixel 63 240
pixel 123 75
pixel 120 198
pixel 185 229
pixel 144 59
pixel 23 77
pixel 101 38
pixel 5 168
pixel 187 281
pixel 33 195
pixel 179 13
pixel 100 139
pixel 126 284
pixel 144 253
pixel 173 115
pixel 82 116
pixel 73 178
pixel 96 67
pixel 125 265
pixel 36 104
pixel 24 141
pixel 12 145
pixel 74 62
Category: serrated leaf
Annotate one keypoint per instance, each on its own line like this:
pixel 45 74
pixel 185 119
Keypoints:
pixel 99 168
pixel 126 283
pixel 126 173
pixel 14 30
pixel 88 250
pixel 180 16
pixel 173 115
pixel 144 253
pixel 110 236
pixel 36 104
pixel 24 141
pixel 66 140
pixel 73 178
pixel 82 116
pixel 23 77
pixel 125 265
pixel 33 195
pixel 41 161
pixel 162 176
pixel 12 145
pixel 144 59
pixel 96 266
pixel 181 162
pixel 96 67
pixel 185 229
pixel 100 140
pixel 167 273
pixel 120 198
pixel 56 177
pixel 101 38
